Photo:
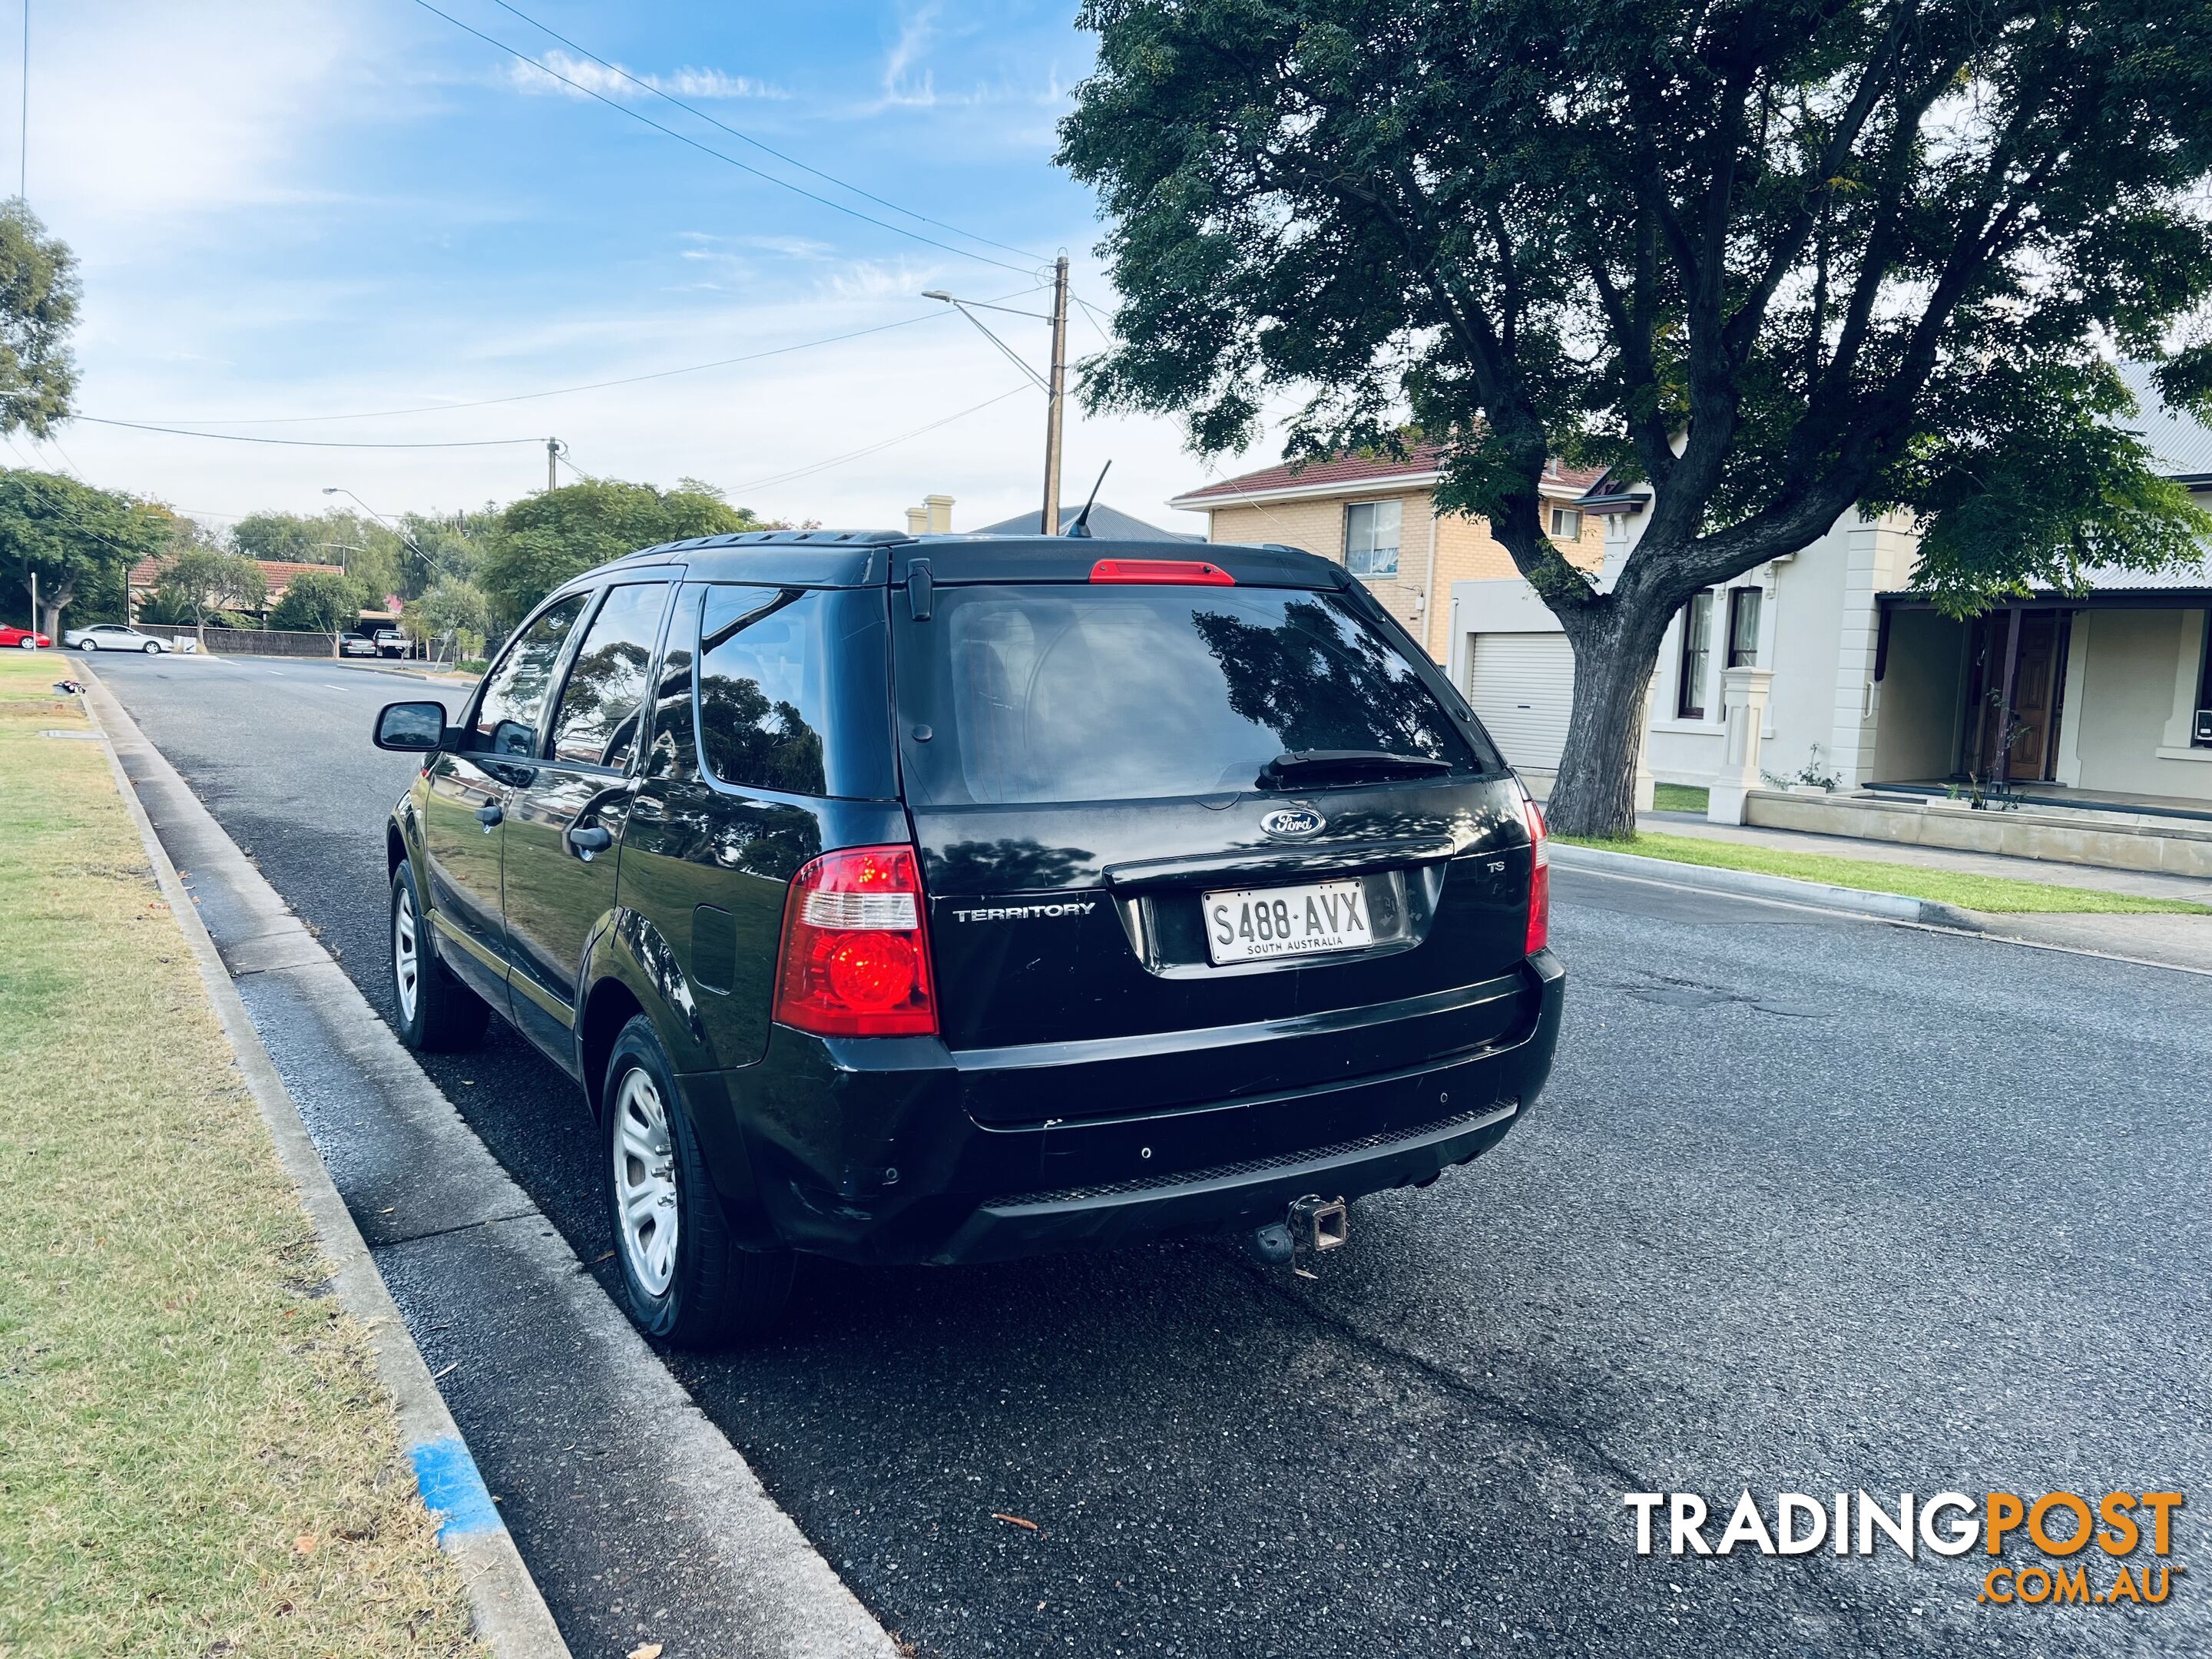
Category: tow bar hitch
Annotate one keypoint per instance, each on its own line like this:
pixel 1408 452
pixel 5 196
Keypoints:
pixel 1312 1227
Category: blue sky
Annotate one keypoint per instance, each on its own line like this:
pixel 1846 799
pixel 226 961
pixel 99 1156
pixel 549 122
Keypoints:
pixel 328 207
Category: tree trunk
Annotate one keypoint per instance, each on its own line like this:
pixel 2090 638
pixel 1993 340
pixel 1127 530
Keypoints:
pixel 52 601
pixel 1616 652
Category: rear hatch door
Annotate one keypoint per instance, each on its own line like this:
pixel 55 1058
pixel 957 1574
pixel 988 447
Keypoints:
pixel 1184 843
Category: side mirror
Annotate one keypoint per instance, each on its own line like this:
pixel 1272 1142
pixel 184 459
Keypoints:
pixel 415 727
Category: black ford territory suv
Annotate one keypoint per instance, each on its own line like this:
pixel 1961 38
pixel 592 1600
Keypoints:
pixel 949 898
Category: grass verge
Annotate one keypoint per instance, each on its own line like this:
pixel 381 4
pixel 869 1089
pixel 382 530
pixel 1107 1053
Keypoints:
pixel 196 1456
pixel 1997 894
pixel 1679 798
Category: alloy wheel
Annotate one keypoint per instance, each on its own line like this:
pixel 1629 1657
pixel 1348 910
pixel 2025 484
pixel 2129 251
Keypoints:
pixel 644 1182
pixel 406 954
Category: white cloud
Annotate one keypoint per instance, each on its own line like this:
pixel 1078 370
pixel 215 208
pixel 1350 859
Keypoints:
pixel 585 74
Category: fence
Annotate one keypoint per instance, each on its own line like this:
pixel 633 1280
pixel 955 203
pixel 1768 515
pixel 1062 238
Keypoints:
pixel 258 641
pixel 250 642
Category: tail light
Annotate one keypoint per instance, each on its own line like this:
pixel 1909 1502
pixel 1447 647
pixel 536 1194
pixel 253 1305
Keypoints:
pixel 855 956
pixel 1539 881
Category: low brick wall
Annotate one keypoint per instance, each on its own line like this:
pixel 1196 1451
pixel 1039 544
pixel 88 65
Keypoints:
pixel 2109 841
pixel 253 641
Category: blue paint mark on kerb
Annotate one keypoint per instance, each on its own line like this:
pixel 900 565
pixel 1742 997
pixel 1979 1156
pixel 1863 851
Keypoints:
pixel 446 1476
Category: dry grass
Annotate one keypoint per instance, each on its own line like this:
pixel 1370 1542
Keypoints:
pixel 196 1458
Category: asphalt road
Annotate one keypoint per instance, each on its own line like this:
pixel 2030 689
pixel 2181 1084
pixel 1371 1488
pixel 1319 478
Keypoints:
pixel 1812 1204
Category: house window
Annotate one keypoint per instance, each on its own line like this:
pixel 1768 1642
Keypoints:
pixel 1696 653
pixel 1743 627
pixel 1566 523
pixel 1371 537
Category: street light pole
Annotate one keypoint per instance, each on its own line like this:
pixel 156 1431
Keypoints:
pixel 1055 398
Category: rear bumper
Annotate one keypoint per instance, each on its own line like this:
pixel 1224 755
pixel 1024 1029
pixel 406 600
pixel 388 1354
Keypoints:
pixel 861 1151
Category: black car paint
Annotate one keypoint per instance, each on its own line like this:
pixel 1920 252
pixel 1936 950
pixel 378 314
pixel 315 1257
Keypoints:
pixel 1092 1048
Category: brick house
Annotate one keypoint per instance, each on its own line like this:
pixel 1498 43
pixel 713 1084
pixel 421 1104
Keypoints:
pixel 1378 518
pixel 146 576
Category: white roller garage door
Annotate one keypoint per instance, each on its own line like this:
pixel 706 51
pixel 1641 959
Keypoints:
pixel 1523 686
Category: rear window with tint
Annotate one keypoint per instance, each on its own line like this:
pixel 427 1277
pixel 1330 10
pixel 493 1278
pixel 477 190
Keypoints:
pixel 1067 693
pixel 792 695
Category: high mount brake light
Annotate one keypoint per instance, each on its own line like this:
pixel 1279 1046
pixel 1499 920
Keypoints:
pixel 1185 573
pixel 1539 881
pixel 855 959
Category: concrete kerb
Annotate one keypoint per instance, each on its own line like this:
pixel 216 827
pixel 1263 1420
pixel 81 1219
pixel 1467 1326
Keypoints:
pixel 509 1614
pixel 1750 884
pixel 784 1600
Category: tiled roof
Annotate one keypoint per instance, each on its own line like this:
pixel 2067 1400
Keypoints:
pixel 1355 470
pixel 146 573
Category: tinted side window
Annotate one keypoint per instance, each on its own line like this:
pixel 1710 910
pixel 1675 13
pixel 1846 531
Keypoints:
pixel 506 715
pixel 793 692
pixel 596 724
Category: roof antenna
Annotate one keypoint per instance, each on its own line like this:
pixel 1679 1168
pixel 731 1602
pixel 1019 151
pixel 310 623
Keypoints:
pixel 1081 527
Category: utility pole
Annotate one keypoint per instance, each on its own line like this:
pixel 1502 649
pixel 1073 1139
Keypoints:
pixel 552 456
pixel 1055 398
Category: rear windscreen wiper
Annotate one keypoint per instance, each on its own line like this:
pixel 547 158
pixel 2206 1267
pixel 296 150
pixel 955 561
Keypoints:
pixel 1350 765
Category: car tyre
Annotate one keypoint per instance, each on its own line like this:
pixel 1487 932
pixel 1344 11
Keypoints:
pixel 152 647
pixel 684 1277
pixel 88 645
pixel 437 1012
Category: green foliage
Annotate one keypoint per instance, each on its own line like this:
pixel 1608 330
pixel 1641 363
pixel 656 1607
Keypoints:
pixel 541 541
pixel 203 581
pixel 39 293
pixel 1777 260
pixel 448 612
pixel 373 554
pixel 318 601
pixel 80 541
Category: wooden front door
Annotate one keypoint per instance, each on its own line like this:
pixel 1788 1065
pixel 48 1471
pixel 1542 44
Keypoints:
pixel 2038 677
pixel 2015 683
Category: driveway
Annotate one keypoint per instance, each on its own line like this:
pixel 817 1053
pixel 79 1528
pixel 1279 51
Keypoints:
pixel 1813 1203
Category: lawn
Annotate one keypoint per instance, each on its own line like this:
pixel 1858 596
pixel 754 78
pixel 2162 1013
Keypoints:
pixel 1679 798
pixel 1966 891
pixel 196 1456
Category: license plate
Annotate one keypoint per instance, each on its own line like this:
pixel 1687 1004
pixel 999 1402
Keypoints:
pixel 1251 924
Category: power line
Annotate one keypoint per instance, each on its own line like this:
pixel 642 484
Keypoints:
pixel 307 443
pixel 708 149
pixel 855 455
pixel 658 92
pixel 560 391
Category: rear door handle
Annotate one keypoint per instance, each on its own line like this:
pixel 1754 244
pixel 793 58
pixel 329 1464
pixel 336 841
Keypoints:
pixel 585 842
pixel 491 816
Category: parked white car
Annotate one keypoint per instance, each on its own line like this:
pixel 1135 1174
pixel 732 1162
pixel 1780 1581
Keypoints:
pixel 114 636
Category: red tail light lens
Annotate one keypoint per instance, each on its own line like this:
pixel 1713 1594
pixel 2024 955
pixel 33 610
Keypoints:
pixel 855 954
pixel 1187 573
pixel 1539 881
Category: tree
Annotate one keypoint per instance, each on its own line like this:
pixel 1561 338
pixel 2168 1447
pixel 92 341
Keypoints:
pixel 204 579
pixel 372 553
pixel 1778 260
pixel 38 293
pixel 447 611
pixel 318 601
pixel 541 540
pixel 74 540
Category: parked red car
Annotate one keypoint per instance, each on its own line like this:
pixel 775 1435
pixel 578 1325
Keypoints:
pixel 24 638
